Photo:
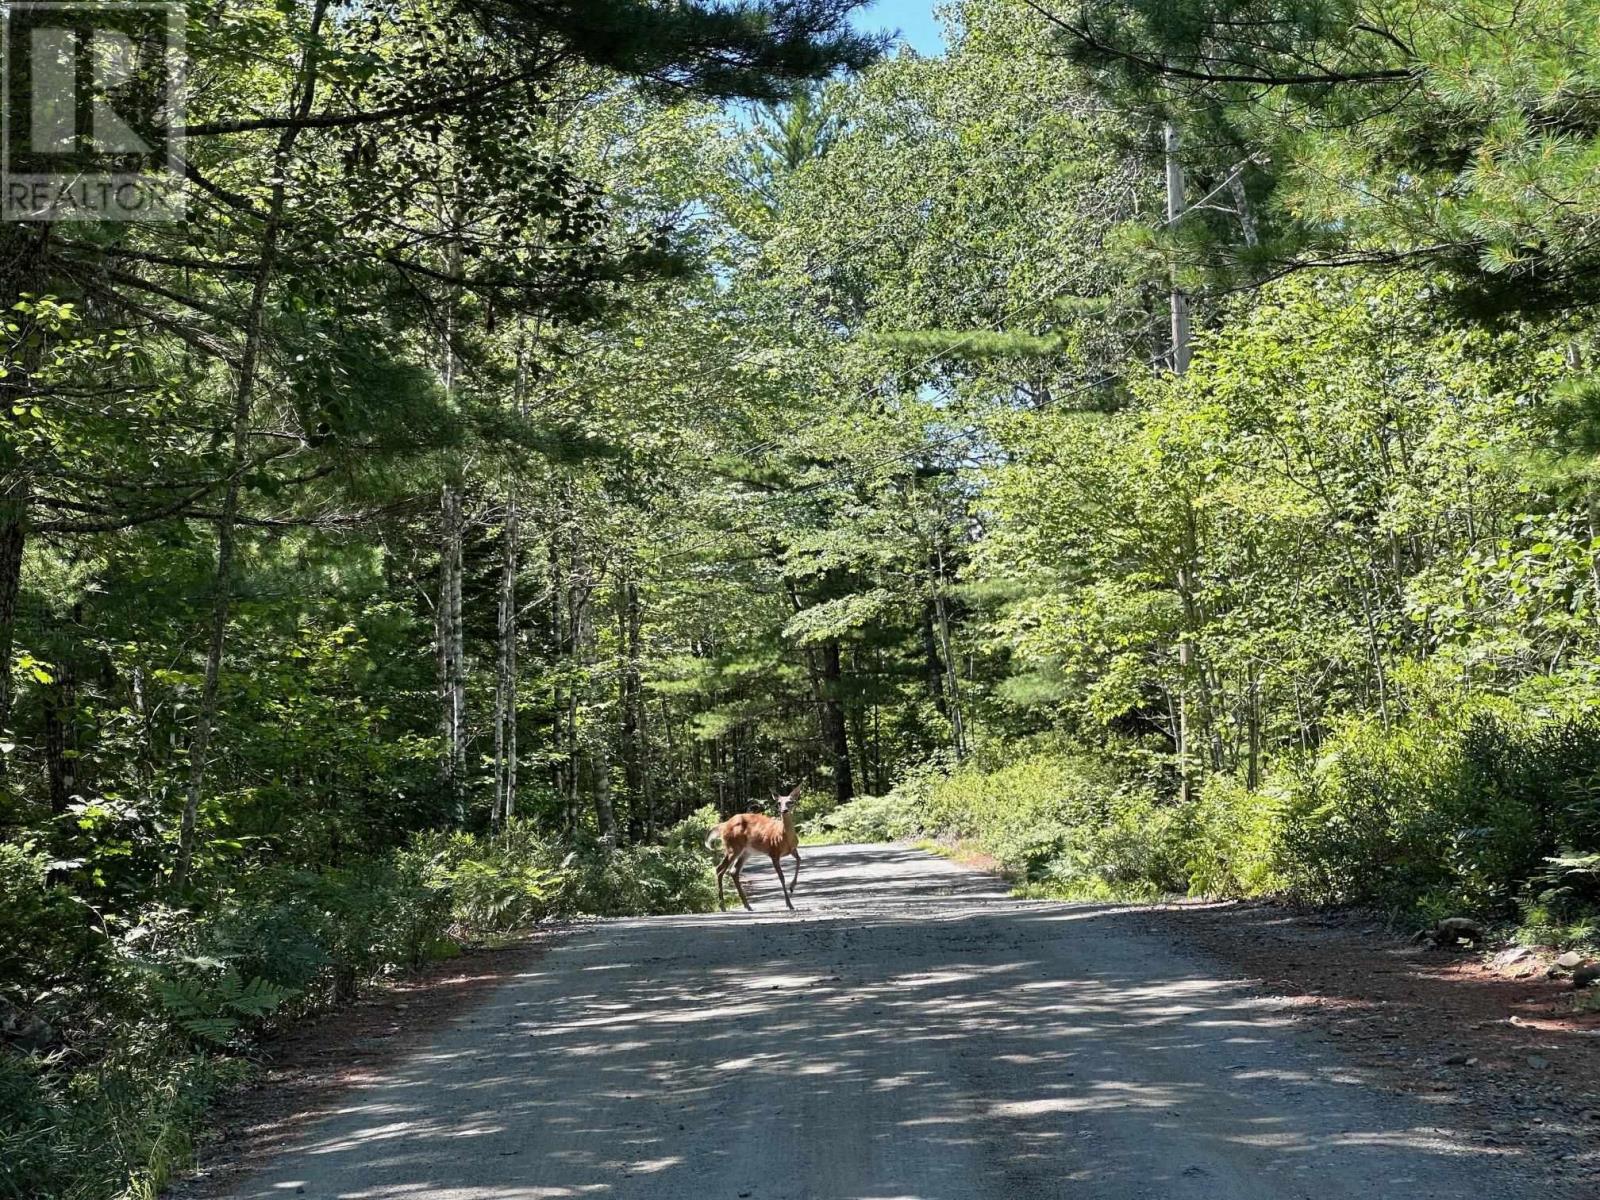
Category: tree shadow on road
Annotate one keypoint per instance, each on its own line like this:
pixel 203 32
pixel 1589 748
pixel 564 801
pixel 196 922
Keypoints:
pixel 912 1034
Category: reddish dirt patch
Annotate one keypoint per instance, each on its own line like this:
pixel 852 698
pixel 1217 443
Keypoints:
pixel 1509 1060
pixel 967 855
pixel 303 1070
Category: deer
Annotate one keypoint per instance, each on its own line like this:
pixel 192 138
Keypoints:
pixel 752 833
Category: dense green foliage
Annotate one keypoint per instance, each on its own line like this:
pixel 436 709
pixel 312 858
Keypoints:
pixel 337 521
pixel 523 453
pixel 1320 613
pixel 1435 817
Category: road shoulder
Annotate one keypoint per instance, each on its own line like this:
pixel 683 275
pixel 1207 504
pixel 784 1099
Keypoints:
pixel 1505 1057
pixel 304 1071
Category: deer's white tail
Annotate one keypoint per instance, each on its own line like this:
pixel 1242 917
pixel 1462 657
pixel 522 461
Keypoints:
pixel 714 836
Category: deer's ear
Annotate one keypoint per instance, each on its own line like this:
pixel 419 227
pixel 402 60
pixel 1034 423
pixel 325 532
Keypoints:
pixel 795 795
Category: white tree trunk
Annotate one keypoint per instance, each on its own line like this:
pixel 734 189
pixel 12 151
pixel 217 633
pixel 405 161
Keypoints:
pixel 957 726
pixel 451 634
pixel 1241 205
pixel 505 695
pixel 1176 206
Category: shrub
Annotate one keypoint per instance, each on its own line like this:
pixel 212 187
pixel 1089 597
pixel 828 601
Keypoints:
pixel 691 832
pixel 112 1112
pixel 1441 817
pixel 53 954
pixel 890 818
pixel 640 881
pixel 1022 814
pixel 1070 825
pixel 1231 840
pixel 508 880
pixel 1534 794
pixel 322 935
pixel 1130 848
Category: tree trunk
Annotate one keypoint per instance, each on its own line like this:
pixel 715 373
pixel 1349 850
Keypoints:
pixel 572 662
pixel 13 536
pixel 1176 206
pixel 458 653
pixel 1189 603
pixel 941 610
pixel 824 670
pixel 244 394
pixel 879 787
pixel 641 728
pixel 641 821
pixel 452 636
pixel 1241 205
pixel 451 654
pixel 505 692
pixel 598 753
pixel 510 807
pixel 930 654
pixel 834 732
pixel 557 631
pixel 22 249
pixel 858 733
pixel 1253 729
pixel 605 816
pixel 59 703
pixel 507 684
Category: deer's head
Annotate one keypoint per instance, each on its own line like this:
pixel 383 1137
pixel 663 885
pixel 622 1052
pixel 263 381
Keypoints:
pixel 785 803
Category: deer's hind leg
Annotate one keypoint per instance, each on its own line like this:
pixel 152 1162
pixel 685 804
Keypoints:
pixel 738 866
pixel 722 867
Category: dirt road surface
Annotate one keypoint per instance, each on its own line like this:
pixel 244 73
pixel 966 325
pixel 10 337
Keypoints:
pixel 910 1032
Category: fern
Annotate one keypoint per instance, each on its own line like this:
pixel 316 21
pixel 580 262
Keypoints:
pixel 1569 863
pixel 217 1030
pixel 214 1012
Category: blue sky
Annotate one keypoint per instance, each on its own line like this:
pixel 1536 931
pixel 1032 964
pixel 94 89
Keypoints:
pixel 913 18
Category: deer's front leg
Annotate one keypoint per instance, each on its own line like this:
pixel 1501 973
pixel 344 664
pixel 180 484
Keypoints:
pixel 777 865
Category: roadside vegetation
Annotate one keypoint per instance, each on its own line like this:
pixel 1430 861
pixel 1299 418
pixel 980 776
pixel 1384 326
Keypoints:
pixel 1468 816
pixel 483 489
pixel 141 1025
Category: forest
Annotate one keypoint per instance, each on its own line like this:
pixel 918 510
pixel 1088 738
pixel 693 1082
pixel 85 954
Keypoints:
pixel 1152 445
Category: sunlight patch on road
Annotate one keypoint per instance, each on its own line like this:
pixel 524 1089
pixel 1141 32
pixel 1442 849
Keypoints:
pixel 818 1068
pixel 650 1166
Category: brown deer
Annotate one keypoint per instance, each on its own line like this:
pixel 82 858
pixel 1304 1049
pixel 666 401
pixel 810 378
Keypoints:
pixel 750 833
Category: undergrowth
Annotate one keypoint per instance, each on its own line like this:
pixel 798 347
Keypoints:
pixel 1489 812
pixel 116 1033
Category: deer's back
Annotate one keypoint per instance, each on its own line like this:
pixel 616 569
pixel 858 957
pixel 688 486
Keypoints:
pixel 755 831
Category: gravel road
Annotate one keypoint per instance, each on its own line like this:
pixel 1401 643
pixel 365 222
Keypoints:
pixel 911 1032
